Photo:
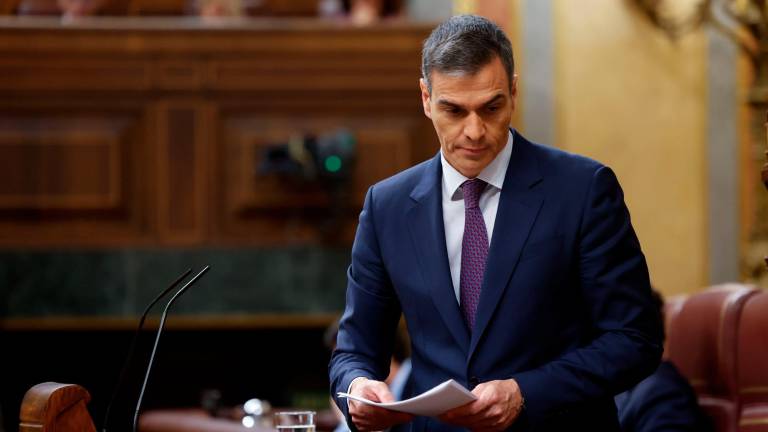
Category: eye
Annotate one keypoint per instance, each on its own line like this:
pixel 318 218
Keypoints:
pixel 493 108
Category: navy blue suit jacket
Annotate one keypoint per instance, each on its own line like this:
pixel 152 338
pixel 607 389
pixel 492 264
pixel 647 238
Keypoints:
pixel 565 304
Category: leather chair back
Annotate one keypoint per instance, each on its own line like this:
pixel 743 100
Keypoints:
pixel 702 342
pixel 752 357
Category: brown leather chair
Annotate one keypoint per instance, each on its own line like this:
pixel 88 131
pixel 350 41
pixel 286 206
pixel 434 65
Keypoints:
pixel 54 407
pixel 701 342
pixel 753 364
pixel 672 307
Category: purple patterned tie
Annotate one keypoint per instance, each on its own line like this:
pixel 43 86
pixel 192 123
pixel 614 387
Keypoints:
pixel 474 250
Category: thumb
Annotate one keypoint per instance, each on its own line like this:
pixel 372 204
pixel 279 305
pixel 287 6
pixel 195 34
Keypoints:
pixel 381 390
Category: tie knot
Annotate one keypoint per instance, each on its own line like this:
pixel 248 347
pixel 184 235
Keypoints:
pixel 472 190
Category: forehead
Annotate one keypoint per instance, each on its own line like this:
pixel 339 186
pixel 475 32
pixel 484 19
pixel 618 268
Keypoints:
pixel 490 80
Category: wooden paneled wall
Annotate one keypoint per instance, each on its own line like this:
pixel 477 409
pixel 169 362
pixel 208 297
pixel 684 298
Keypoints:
pixel 131 131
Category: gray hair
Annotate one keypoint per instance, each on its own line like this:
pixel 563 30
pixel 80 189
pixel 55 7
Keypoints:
pixel 464 44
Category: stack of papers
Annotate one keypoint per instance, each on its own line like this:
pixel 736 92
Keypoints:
pixel 433 402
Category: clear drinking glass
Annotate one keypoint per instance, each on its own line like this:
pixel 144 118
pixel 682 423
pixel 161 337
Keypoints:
pixel 295 421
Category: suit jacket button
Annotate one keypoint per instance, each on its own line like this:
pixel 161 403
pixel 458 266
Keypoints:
pixel 474 381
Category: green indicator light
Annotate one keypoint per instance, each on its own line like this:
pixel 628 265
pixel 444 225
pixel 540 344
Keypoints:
pixel 333 163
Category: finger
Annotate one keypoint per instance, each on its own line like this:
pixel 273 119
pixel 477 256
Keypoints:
pixel 472 409
pixel 361 412
pixel 377 391
pixel 368 417
pixel 382 413
pixel 358 407
pixel 468 421
pixel 478 415
pixel 383 393
pixel 481 389
pixel 379 418
pixel 493 420
pixel 400 417
pixel 466 409
pixel 465 420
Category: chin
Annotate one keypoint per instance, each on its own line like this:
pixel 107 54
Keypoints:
pixel 471 171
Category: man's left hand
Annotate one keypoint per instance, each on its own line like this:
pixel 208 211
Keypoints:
pixel 497 406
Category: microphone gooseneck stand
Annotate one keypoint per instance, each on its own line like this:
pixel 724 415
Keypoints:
pixel 157 340
pixel 132 349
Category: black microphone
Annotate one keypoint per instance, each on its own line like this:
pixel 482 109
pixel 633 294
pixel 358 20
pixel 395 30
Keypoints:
pixel 157 339
pixel 132 349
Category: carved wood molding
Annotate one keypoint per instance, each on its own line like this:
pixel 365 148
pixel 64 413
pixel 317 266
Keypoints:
pixel 50 407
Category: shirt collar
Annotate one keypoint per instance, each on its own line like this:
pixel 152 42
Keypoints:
pixel 493 174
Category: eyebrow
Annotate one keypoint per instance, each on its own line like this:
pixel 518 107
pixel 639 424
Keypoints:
pixel 449 104
pixel 494 99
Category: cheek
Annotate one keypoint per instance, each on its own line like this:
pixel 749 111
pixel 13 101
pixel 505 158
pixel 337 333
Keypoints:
pixel 448 127
pixel 501 128
pixel 502 121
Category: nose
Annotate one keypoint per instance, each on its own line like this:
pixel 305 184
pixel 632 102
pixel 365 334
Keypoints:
pixel 474 128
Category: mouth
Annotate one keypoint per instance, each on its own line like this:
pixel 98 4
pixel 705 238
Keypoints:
pixel 473 150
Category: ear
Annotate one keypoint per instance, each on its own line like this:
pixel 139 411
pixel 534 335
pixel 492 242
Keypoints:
pixel 425 98
pixel 513 91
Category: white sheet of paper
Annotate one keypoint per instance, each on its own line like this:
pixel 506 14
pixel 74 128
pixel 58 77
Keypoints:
pixel 433 402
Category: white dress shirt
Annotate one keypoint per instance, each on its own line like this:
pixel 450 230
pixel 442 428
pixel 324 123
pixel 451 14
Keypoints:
pixel 453 205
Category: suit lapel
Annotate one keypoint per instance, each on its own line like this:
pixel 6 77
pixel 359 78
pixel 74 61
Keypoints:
pixel 519 205
pixel 426 227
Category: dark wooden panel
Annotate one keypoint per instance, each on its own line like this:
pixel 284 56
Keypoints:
pixel 270 207
pixel 61 163
pixel 71 175
pixel 183 166
pixel 181 171
pixel 67 175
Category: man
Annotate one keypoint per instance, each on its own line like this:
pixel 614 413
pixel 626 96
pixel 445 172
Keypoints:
pixel 663 401
pixel 515 265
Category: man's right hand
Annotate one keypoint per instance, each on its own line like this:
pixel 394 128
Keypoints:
pixel 372 418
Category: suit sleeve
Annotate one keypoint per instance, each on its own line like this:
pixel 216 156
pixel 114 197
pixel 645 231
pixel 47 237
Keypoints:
pixel 626 340
pixel 368 325
pixel 663 402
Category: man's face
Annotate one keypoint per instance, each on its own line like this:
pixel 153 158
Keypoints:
pixel 471 114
